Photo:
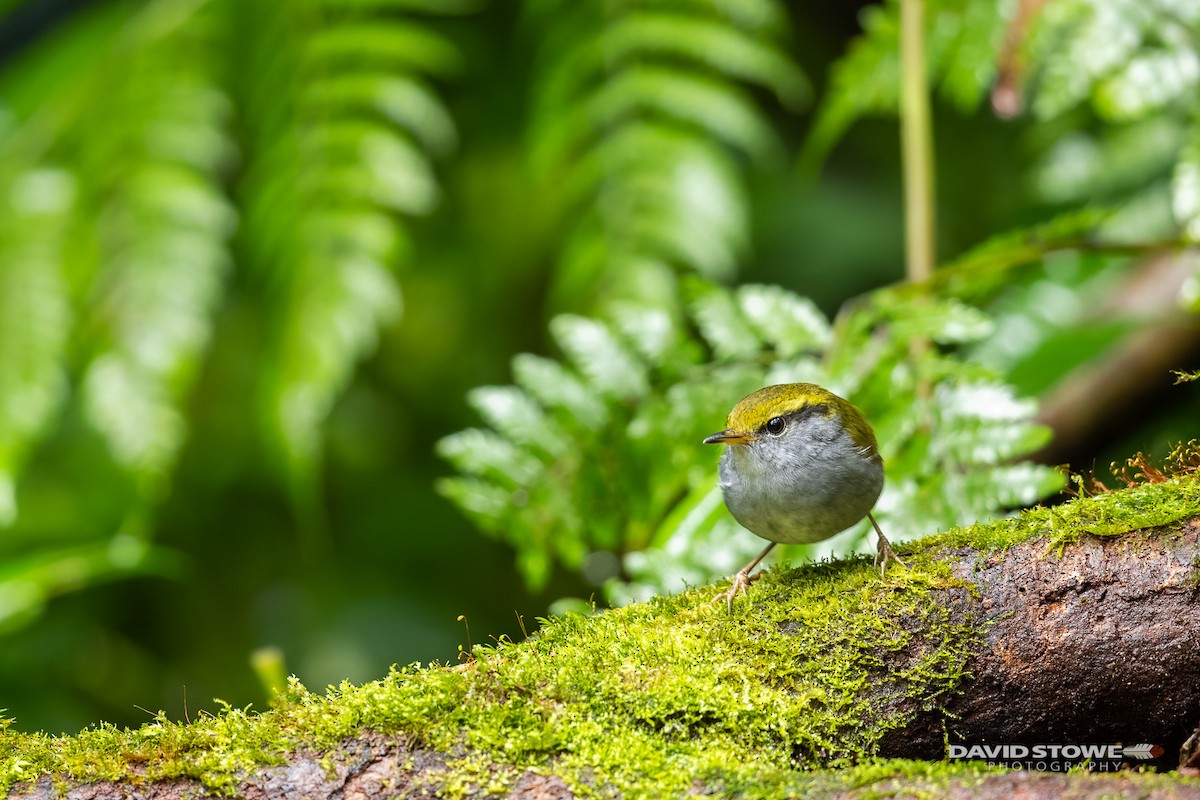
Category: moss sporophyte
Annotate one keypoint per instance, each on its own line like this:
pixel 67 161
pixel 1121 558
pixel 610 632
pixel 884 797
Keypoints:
pixel 784 697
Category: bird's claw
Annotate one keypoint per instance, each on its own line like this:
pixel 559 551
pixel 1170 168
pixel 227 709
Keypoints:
pixel 741 583
pixel 884 554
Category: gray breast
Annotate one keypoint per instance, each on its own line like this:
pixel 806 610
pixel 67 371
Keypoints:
pixel 804 486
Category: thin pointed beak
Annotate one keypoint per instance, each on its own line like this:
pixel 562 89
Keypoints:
pixel 729 437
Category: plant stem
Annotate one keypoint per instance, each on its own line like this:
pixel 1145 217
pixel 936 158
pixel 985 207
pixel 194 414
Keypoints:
pixel 916 142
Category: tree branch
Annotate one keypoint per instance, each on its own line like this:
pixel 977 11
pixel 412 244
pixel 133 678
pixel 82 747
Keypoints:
pixel 1027 631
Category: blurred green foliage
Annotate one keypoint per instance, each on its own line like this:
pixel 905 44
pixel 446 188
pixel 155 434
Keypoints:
pixel 644 124
pixel 259 260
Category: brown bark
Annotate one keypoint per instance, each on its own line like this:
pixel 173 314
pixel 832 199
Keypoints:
pixel 372 767
pixel 1100 644
pixel 380 768
pixel 1097 644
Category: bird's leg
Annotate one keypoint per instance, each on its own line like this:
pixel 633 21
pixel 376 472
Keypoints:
pixel 883 552
pixel 742 580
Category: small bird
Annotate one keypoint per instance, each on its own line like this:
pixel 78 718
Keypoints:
pixel 802 465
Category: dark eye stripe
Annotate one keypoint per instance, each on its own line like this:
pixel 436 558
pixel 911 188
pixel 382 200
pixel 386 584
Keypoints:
pixel 786 419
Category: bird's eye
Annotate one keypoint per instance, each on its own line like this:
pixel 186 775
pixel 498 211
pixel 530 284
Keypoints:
pixel 775 425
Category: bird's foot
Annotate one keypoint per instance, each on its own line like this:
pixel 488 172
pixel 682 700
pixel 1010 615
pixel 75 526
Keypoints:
pixel 741 583
pixel 884 554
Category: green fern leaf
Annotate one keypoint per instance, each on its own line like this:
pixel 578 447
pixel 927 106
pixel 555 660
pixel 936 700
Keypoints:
pixel 370 162
pixel 946 322
pixel 723 325
pixel 35 316
pixel 650 331
pixel 1011 486
pixel 519 418
pixel 1148 82
pixel 983 267
pixel 395 6
pixel 401 99
pixel 679 199
pixel 1099 37
pixel 486 503
pixel 643 123
pixel 963 43
pixel 764 17
pixel 162 244
pixel 713 107
pixel 732 51
pixel 791 324
pixel 608 364
pixel 864 81
pixel 389 45
pixel 968 35
pixel 342 141
pixel 489 455
pixel 555 387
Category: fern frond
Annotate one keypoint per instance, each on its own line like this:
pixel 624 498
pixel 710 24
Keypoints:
pixel 864 81
pixel 489 455
pixel 789 323
pixel 722 48
pixel 1129 59
pixel 644 118
pixel 394 46
pixel 344 138
pixel 519 418
pixel 35 315
pixel 1025 245
pixel 402 100
pixel 763 17
pixel 1133 63
pixel 114 249
pixel 963 39
pixel 556 387
pixel 668 94
pixel 654 193
pixel 1148 82
pixel 610 366
pixel 723 324
pixel 383 7
pixel 160 238
pixel 1085 42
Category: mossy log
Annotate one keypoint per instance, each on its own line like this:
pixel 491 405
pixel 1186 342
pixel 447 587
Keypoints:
pixel 1074 625
pixel 1098 642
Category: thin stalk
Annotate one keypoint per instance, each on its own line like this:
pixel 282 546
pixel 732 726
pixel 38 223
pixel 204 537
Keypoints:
pixel 916 142
pixel 916 152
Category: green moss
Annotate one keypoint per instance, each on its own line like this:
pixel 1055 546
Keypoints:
pixel 776 699
pixel 1150 505
pixel 618 699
